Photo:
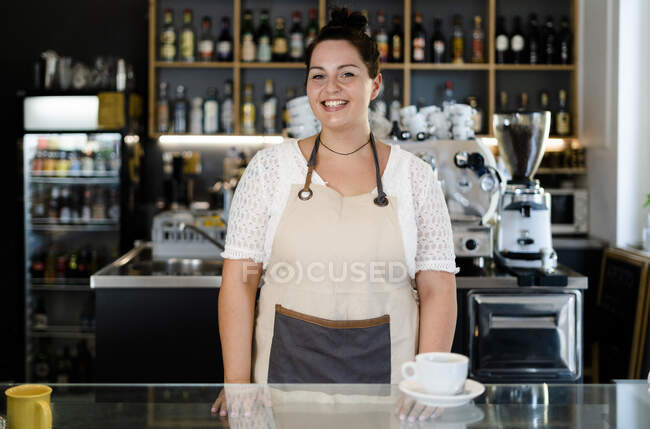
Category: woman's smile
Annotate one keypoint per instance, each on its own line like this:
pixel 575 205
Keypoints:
pixel 334 105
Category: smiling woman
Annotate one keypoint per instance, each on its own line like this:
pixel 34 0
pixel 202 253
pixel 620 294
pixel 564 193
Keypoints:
pixel 340 252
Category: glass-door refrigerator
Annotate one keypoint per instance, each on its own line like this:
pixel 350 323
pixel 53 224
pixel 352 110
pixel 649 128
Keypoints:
pixel 75 188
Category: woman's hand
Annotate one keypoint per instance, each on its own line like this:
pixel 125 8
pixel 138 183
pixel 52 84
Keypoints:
pixel 242 401
pixel 408 409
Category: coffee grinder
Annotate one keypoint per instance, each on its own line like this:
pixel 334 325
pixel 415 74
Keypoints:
pixel 524 233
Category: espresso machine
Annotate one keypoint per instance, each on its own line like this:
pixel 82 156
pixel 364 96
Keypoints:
pixel 466 170
pixel 524 213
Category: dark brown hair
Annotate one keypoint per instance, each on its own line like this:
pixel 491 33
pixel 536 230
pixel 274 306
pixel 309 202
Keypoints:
pixel 349 26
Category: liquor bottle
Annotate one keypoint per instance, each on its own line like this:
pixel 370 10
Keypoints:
pixel 395 104
pixel 188 40
pixel 38 202
pixel 269 108
pixel 312 28
pixel 457 41
pixel 264 36
pixel 180 110
pixel 280 44
pixel 248 111
pixel 478 41
pixel 502 41
pixel 63 371
pixel 364 13
pixel 296 38
pixel 562 117
pixel 477 118
pixel 168 37
pixel 206 43
pixel 438 44
pixel 549 40
pixel 503 101
pixel 523 101
pixel 61 265
pixel 517 42
pixel 72 267
pixel 565 40
pixel 381 36
pixel 396 41
pixel 448 95
pixel 42 367
pixel 227 109
pixel 65 210
pixel 533 40
pixel 39 315
pixel 248 37
pixel 419 40
pixel 224 44
pixel 211 112
pixel 86 212
pixel 37 268
pixel 286 117
pixel 162 108
pixel 196 116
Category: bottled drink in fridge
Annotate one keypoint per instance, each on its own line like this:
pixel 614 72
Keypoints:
pixel 224 44
pixel 534 42
pixel 211 112
pixel 188 39
pixel 264 36
pixel 168 37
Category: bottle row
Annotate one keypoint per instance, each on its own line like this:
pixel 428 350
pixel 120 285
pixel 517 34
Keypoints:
pixel 74 204
pixel 41 322
pixel 70 363
pixel 453 44
pixel 570 157
pixel 54 262
pixel 560 118
pixel 75 156
pixel 214 114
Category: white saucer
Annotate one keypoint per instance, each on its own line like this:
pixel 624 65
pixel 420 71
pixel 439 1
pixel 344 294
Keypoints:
pixel 413 389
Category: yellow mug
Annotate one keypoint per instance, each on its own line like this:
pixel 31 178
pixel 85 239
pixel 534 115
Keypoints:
pixel 28 407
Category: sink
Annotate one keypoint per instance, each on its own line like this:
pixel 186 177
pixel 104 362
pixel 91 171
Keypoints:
pixel 176 267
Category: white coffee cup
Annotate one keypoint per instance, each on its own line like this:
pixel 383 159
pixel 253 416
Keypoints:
pixel 438 373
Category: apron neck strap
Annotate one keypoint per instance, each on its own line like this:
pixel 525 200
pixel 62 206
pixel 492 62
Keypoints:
pixel 306 193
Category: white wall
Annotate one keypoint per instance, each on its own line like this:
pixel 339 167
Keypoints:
pixel 633 120
pixel 598 106
pixel 615 126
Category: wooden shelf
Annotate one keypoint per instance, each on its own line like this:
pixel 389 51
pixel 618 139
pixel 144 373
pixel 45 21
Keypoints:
pixel 194 65
pixel 535 67
pixel 271 65
pixel 391 66
pixel 448 66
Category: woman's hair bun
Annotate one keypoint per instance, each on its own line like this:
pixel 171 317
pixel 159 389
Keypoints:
pixel 342 17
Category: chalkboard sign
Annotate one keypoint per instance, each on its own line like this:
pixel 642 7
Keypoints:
pixel 620 309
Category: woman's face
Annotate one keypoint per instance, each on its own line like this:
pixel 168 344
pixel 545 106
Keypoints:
pixel 338 86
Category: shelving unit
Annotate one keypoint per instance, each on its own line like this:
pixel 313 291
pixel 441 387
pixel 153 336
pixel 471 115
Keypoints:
pixel 411 73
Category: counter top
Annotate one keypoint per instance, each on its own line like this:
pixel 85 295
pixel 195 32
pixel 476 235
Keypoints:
pixel 137 269
pixel 625 404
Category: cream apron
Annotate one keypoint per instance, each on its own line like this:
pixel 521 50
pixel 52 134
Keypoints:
pixel 337 305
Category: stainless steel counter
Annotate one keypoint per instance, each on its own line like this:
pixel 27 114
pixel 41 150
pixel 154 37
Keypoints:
pixel 137 269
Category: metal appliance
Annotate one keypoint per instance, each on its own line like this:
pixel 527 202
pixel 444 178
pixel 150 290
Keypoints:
pixel 470 181
pixel 569 211
pixel 524 232
pixel 517 336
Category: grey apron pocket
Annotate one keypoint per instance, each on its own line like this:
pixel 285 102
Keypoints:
pixel 308 349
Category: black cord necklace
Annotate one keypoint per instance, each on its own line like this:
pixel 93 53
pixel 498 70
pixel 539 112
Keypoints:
pixel 341 153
